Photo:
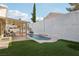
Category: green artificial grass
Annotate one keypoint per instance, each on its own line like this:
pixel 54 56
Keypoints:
pixel 32 48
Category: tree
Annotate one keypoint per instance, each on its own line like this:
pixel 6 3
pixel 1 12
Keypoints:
pixel 74 7
pixel 34 13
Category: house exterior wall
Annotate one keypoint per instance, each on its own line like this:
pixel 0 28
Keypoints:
pixel 3 12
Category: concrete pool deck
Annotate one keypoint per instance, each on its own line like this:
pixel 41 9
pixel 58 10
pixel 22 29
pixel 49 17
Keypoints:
pixel 43 41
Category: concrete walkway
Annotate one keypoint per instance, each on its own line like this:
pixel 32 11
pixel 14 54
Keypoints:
pixel 4 44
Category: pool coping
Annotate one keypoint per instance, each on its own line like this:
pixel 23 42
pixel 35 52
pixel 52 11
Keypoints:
pixel 42 41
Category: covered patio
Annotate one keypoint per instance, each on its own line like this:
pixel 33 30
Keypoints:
pixel 11 30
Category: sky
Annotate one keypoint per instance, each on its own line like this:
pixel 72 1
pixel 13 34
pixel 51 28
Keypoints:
pixel 24 10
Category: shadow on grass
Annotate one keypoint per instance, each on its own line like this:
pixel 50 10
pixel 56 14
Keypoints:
pixel 74 46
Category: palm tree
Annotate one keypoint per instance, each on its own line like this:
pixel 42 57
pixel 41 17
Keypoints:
pixel 74 7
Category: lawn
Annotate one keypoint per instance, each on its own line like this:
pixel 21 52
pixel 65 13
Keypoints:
pixel 32 48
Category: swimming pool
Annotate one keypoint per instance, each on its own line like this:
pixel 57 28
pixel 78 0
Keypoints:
pixel 40 37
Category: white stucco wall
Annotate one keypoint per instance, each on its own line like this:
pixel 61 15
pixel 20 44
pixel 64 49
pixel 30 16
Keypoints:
pixel 64 26
pixel 37 27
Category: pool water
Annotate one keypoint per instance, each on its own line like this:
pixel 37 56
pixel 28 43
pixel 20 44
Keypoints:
pixel 40 37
